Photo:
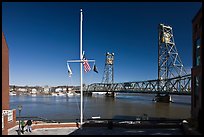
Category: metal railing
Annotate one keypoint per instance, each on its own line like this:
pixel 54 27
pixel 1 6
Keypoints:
pixel 36 118
pixel 9 113
pixel 2 122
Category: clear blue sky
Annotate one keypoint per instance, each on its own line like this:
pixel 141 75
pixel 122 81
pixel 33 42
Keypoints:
pixel 42 36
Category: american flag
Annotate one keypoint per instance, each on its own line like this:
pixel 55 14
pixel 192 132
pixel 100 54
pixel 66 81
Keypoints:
pixel 87 67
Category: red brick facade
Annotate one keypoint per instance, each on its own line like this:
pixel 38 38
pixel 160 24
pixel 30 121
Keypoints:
pixel 5 74
pixel 5 90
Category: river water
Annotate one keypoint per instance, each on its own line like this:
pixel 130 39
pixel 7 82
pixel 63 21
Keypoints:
pixel 64 108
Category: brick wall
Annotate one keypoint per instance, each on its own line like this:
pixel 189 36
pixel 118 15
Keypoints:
pixel 5 129
pixel 5 74
pixel 9 124
pixel 53 125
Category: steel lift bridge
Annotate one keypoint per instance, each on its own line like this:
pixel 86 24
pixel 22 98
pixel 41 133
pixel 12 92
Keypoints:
pixel 172 77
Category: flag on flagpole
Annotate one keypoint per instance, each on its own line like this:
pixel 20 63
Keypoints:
pixel 95 68
pixel 87 67
pixel 69 70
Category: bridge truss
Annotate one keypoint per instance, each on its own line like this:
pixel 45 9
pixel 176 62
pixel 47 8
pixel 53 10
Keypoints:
pixel 176 85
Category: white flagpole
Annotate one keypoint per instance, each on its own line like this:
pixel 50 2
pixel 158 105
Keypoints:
pixel 81 57
pixel 81 65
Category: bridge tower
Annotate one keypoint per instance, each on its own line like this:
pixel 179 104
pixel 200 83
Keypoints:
pixel 108 70
pixel 169 62
pixel 108 78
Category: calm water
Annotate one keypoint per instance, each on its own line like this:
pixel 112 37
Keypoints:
pixel 68 108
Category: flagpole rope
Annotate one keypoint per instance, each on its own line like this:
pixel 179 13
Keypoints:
pixel 85 79
pixel 85 100
pixel 71 84
pixel 87 68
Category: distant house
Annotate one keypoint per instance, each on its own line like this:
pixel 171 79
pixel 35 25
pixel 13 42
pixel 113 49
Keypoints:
pixel 46 89
pixel 8 116
pixel 58 90
pixel 22 89
pixel 34 91
pixel 196 71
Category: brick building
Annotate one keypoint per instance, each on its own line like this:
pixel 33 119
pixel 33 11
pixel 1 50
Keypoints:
pixel 196 71
pixel 8 116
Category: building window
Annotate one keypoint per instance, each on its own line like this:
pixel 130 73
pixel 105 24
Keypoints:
pixel 196 88
pixel 197 52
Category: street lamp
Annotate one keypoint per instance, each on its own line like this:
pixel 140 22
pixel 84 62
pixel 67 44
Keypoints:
pixel 19 110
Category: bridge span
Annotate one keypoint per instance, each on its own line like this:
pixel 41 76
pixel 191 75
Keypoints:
pixel 178 86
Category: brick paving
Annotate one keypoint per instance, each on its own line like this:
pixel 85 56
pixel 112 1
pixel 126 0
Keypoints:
pixel 45 131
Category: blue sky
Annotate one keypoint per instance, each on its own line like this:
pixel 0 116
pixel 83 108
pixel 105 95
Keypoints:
pixel 42 36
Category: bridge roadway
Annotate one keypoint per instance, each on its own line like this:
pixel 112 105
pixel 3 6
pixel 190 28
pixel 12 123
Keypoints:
pixel 177 86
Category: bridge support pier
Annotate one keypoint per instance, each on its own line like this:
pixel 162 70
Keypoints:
pixel 88 93
pixel 110 94
pixel 165 98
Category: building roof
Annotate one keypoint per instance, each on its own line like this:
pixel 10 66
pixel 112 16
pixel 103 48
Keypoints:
pixel 4 43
